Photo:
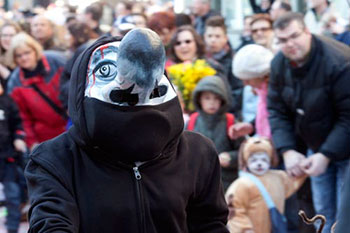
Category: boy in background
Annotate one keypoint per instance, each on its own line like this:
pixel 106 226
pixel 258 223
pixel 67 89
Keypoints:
pixel 11 140
pixel 219 49
pixel 212 120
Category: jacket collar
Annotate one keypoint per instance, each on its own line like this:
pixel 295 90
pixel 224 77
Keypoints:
pixel 36 79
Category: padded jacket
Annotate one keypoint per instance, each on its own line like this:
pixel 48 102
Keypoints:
pixel 40 121
pixel 312 101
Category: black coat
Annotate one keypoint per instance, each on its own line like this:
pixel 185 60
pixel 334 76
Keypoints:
pixel 74 186
pixel 312 101
pixel 10 129
pixel 10 126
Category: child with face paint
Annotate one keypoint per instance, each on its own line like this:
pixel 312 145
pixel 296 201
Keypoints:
pixel 211 100
pixel 251 213
pixel 126 165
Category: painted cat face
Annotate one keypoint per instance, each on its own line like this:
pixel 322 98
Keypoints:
pixel 259 163
pixel 130 72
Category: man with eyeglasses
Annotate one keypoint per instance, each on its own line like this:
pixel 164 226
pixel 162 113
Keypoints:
pixel 261 28
pixel 309 99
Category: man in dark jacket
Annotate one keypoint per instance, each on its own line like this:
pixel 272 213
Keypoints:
pixel 309 98
pixel 125 165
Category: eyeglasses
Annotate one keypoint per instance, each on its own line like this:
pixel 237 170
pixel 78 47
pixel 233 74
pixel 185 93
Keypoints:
pixel 294 36
pixel 185 41
pixel 261 29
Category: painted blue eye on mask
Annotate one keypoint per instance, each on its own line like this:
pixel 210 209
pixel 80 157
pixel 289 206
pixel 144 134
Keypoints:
pixel 130 72
pixel 106 70
pixel 102 71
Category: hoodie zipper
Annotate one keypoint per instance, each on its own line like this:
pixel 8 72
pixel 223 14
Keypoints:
pixel 140 198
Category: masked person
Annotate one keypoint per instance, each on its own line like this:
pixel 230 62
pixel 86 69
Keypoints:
pixel 125 165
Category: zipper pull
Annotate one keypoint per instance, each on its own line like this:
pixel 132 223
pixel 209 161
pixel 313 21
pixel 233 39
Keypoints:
pixel 137 173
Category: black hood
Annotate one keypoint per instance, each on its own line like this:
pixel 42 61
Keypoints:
pixel 123 133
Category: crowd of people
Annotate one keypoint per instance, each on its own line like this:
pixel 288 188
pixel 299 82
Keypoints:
pixel 276 107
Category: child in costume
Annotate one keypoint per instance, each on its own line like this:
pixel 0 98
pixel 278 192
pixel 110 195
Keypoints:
pixel 251 213
pixel 212 120
pixel 11 140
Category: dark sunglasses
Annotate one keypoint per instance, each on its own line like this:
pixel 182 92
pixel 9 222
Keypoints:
pixel 185 41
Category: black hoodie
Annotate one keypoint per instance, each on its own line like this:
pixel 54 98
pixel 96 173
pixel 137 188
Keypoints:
pixel 80 183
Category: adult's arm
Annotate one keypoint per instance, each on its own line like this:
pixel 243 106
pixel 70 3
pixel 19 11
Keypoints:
pixel 53 207
pixel 337 146
pixel 256 9
pixel 27 118
pixel 15 121
pixel 280 117
pixel 24 111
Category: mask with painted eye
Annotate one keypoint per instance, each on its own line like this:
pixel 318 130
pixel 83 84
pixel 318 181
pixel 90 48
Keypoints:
pixel 102 71
pixel 106 70
pixel 130 72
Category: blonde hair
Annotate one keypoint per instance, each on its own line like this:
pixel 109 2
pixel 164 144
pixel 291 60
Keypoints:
pixel 23 39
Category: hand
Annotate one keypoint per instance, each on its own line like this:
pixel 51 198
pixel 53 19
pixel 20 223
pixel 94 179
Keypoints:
pixel 292 160
pixel 336 28
pixel 239 130
pixel 315 164
pixel 224 159
pixel 20 145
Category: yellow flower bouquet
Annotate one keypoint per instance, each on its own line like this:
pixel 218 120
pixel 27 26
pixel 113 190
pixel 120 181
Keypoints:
pixel 186 76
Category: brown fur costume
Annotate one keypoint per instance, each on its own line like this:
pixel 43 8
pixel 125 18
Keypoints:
pixel 250 209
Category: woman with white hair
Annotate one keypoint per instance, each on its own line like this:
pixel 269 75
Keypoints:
pixel 251 64
pixel 34 86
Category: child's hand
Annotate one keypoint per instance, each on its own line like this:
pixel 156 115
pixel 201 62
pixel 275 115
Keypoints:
pixel 20 145
pixel 224 159
pixel 239 130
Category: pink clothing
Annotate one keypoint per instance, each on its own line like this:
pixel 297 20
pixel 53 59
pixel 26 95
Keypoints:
pixel 262 124
pixel 168 63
